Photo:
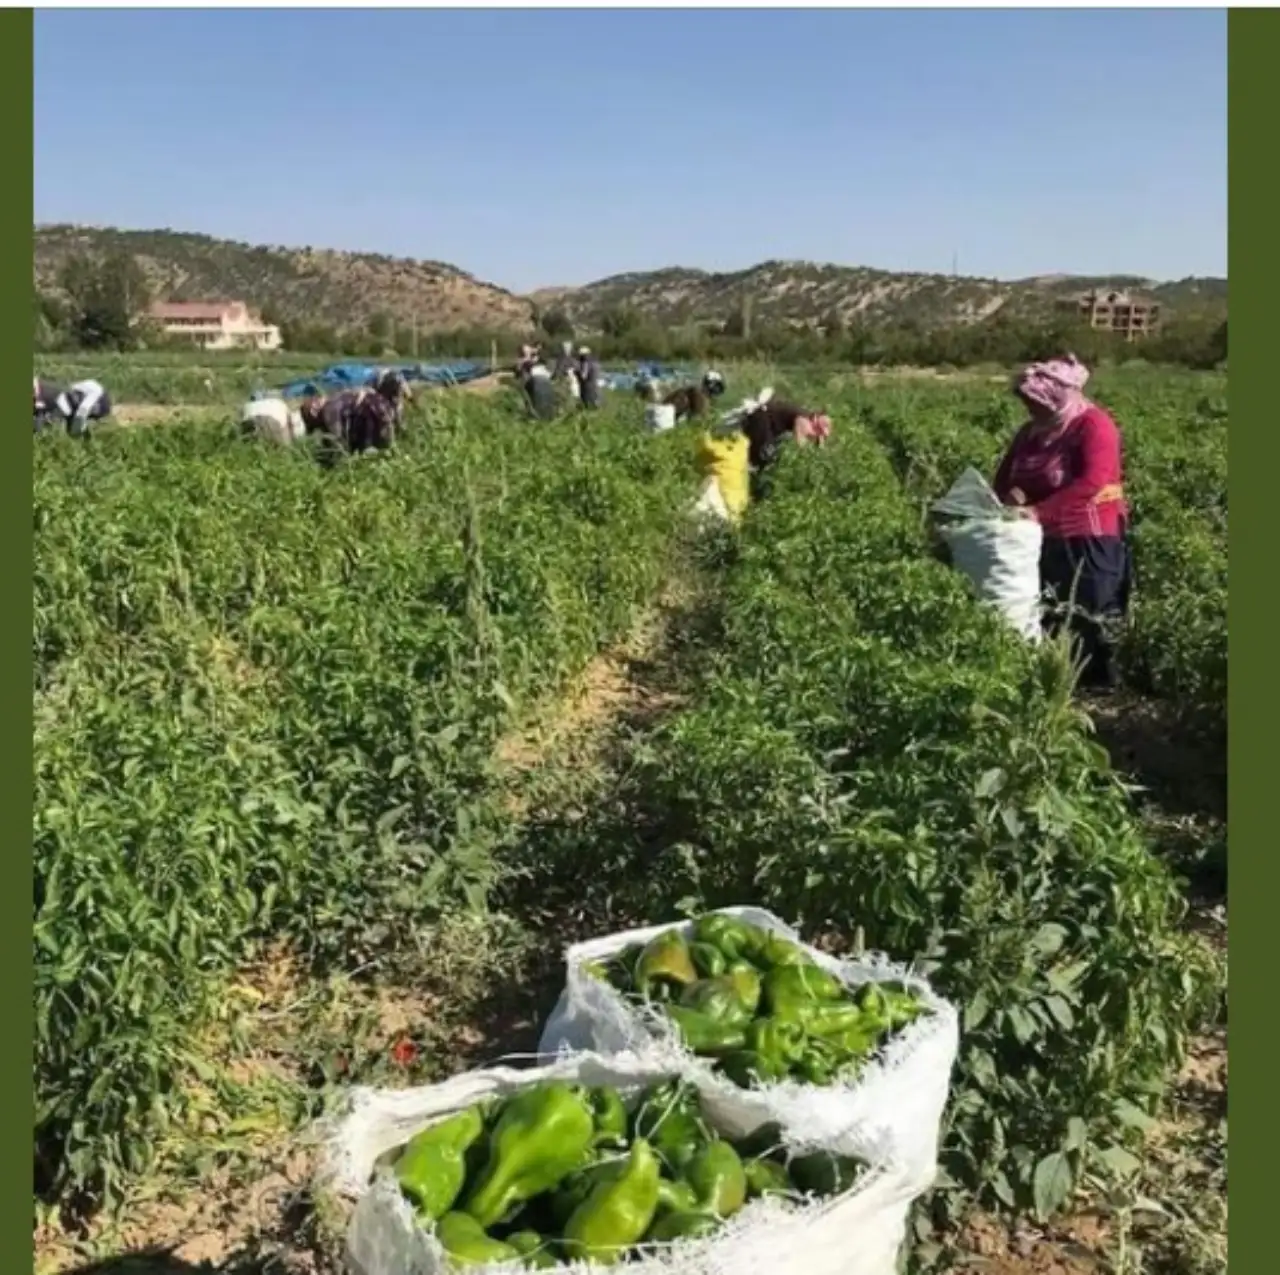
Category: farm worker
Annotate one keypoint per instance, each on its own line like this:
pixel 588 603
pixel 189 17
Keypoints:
pixel 588 374
pixel 692 401
pixel 270 419
pixel 726 492
pixel 768 422
pixel 1064 469
pixel 565 372
pixel 539 391
pixel 85 401
pixel 44 396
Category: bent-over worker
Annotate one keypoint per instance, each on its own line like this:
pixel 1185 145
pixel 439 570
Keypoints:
pixel 271 419
pixel 692 401
pixel 83 402
pixel 771 423
pixel 1064 468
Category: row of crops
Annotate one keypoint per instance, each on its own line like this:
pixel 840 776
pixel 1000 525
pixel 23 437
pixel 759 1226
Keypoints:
pixel 267 700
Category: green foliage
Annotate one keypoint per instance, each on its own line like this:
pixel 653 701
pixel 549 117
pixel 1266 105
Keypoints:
pixel 106 299
pixel 864 747
pixel 266 699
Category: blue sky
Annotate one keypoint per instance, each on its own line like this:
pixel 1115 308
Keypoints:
pixel 536 147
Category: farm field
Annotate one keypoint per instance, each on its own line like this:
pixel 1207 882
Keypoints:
pixel 330 765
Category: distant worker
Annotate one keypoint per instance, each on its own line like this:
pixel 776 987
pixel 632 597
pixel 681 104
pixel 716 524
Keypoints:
pixel 768 422
pixel 357 421
pixel 272 420
pixel 692 401
pixel 539 391
pixel 1064 468
pixel 83 402
pixel 565 371
pixel 588 374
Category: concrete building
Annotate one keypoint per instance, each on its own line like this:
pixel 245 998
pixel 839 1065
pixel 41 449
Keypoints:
pixel 216 325
pixel 1119 312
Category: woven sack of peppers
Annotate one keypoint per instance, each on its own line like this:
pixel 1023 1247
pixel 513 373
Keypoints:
pixel 770 1028
pixel 591 1163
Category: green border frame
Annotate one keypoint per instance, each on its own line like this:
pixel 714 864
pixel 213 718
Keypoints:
pixel 1253 47
pixel 1254 54
pixel 15 627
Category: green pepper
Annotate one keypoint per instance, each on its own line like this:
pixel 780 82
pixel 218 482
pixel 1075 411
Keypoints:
pixel 815 1067
pixel 535 1250
pixel 718 999
pixel 705 1035
pixel 676 1197
pixel 565 1199
pixel 903 1006
pixel 665 959
pixel 432 1168
pixel 777 1045
pixel 622 968
pixel 773 1048
pixel 709 961
pixel 823 1173
pixel 765 1140
pixel 738 940
pixel 746 983
pixel 610 1116
pixel 851 1041
pixel 542 1135
pixel 619 1210
pixel 792 991
pixel 597 970
pixel 682 1226
pixel 718 1178
pixel 464 1239
pixel 691 1224
pixel 837 1019
pixel 780 953
pixel 671 1121
pixel 764 1177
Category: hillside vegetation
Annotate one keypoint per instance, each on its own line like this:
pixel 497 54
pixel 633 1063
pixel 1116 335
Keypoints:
pixel 349 290
pixel 798 292
pixel 311 284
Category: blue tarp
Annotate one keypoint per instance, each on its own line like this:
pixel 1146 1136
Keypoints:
pixel 347 376
pixel 645 372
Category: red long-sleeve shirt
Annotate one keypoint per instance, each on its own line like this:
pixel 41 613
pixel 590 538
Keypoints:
pixel 1072 480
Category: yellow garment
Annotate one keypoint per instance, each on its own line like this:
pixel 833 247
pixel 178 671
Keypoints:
pixel 724 461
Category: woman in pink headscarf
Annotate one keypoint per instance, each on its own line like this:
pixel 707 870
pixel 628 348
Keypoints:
pixel 1064 469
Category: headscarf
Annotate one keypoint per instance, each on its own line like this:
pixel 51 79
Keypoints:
pixel 1056 385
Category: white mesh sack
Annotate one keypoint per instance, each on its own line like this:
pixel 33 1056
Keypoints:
pixel 996 549
pixel 857 1233
pixel 900 1094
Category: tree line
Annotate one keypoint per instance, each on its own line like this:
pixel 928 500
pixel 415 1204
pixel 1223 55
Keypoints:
pixel 103 303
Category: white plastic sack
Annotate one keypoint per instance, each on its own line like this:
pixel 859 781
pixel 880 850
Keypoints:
pixel 858 1233
pixel 998 551
pixel 710 504
pixel 659 417
pixel 898 1099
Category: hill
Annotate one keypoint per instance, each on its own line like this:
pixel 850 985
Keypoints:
pixel 345 289
pixel 301 284
pixel 802 293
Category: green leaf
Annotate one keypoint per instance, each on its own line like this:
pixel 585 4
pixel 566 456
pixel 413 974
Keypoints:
pixel 990 783
pixel 1133 1117
pixel 1051 1184
pixel 1123 1163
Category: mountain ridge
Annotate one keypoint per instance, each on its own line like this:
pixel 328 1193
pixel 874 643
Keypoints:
pixel 348 289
